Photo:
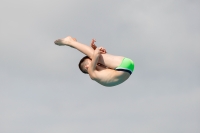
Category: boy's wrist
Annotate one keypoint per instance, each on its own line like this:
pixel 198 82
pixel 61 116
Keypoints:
pixel 96 54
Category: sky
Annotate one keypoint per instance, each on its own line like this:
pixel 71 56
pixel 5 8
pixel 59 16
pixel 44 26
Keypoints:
pixel 42 89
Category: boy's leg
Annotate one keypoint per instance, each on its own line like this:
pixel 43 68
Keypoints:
pixel 111 61
pixel 108 60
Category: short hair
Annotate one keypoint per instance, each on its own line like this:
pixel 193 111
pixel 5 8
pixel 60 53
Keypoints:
pixel 83 62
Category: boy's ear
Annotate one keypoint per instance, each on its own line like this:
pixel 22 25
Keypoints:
pixel 86 66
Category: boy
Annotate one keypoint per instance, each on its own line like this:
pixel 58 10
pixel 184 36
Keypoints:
pixel 106 69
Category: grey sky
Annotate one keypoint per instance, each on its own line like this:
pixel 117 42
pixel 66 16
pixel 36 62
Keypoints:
pixel 42 89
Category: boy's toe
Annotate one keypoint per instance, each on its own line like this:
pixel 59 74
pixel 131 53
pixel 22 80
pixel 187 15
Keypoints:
pixel 57 42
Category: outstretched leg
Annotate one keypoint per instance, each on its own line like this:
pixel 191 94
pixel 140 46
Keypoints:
pixel 108 60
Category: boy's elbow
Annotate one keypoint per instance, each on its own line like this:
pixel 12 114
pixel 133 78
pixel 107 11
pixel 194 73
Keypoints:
pixel 92 76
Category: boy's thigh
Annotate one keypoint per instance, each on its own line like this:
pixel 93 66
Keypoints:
pixel 110 61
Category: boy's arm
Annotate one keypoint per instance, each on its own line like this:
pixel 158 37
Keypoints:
pixel 95 58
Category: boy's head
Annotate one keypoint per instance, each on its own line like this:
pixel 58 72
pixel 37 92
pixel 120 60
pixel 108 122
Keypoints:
pixel 84 64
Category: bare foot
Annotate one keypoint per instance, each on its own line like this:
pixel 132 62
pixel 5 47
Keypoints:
pixel 65 41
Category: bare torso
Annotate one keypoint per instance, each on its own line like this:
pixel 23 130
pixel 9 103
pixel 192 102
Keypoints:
pixel 110 77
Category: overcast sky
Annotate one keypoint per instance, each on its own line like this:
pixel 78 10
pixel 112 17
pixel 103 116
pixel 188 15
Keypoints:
pixel 43 91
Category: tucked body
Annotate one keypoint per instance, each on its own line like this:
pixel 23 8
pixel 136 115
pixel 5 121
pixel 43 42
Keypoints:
pixel 106 69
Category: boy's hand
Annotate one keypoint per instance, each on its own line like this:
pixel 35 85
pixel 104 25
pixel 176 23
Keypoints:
pixel 93 45
pixel 100 50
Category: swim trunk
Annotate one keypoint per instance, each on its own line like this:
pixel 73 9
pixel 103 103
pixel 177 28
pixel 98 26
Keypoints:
pixel 127 65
